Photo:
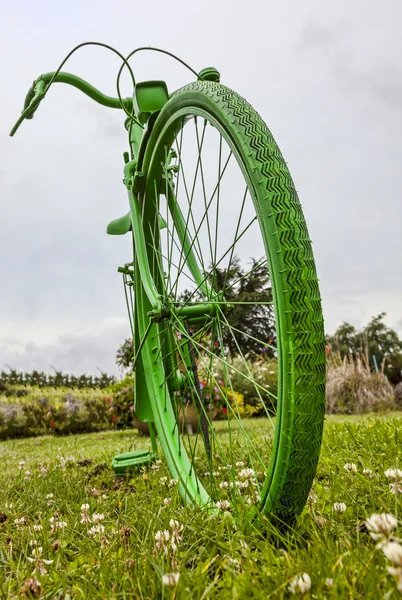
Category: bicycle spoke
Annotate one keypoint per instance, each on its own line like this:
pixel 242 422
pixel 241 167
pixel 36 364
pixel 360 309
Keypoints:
pixel 222 258
pixel 202 220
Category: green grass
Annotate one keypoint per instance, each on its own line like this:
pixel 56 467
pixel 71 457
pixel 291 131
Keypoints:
pixel 217 557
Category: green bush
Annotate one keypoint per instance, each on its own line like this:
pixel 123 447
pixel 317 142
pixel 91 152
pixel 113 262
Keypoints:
pixel 256 381
pixel 61 411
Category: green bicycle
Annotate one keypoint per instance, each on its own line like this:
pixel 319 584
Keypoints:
pixel 222 269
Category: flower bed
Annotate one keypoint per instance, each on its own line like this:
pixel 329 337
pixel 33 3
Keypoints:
pixel 49 410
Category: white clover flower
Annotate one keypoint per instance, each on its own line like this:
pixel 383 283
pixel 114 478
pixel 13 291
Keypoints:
pixel 167 501
pixel 300 584
pixel 176 528
pixel 155 467
pixel 223 504
pixel 97 529
pixel 312 498
pixel 394 474
pixel 240 463
pixel 368 473
pixel 19 522
pixel 21 464
pixel 49 496
pixel 329 582
pixel 173 482
pixel 339 507
pixel 39 561
pixel 28 474
pixel 42 471
pixel 393 551
pixel 97 517
pixel 37 527
pixel 162 536
pixel 175 524
pixel 350 467
pixel 246 473
pixel 170 579
pixel 242 485
pixel 380 525
pixel 395 488
pixel 56 524
pixel 224 485
pixel 397 571
pixel 84 508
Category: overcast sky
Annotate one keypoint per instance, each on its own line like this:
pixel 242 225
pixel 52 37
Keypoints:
pixel 325 76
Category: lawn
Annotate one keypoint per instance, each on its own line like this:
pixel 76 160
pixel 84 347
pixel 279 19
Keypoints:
pixel 113 553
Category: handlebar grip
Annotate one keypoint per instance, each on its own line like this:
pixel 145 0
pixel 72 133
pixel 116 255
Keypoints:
pixel 35 91
pixel 29 97
pixel 33 98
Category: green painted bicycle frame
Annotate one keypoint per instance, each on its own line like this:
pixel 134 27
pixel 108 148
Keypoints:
pixel 148 100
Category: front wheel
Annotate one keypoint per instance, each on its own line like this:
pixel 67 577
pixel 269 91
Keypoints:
pixel 240 343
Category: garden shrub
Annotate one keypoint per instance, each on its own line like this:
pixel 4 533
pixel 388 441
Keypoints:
pixel 353 388
pixel 43 411
pixel 234 376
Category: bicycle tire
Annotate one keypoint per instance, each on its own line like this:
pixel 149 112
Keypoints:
pixel 296 299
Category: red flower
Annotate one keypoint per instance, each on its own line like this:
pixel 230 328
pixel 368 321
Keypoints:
pixel 108 400
pixel 51 423
pixel 115 418
pixel 224 410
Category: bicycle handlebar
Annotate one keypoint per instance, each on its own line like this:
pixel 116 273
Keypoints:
pixel 40 86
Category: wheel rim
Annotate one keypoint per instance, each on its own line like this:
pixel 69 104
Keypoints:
pixel 226 473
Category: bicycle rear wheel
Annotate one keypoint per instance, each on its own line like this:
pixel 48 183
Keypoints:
pixel 241 335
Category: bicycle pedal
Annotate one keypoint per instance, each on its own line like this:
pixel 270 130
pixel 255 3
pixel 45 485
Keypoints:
pixel 131 460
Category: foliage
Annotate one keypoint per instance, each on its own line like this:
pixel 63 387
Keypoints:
pixel 59 411
pixel 121 406
pixel 398 395
pixel 245 321
pixel 117 386
pixel 256 381
pixel 42 380
pixel 377 341
pixel 353 388
pixel 217 557
pixel 125 354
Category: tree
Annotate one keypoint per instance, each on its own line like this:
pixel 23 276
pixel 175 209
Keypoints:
pixel 345 340
pixel 250 327
pixel 383 346
pixel 377 341
pixel 247 321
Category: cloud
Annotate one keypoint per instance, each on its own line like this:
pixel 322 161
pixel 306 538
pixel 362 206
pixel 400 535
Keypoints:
pixel 380 78
pixel 327 80
pixel 322 37
pixel 76 353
